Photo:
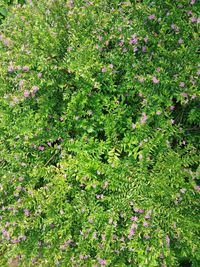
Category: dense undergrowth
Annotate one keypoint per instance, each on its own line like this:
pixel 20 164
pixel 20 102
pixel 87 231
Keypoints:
pixel 99 133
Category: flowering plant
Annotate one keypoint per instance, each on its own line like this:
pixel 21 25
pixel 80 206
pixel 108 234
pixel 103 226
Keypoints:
pixel 99 133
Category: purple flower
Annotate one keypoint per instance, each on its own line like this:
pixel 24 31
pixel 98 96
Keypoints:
pixel 193 19
pixel 26 68
pixel 134 218
pixel 144 48
pixel 26 93
pixel 147 216
pixel 143 118
pixel 10 68
pixel 111 66
pixel 133 40
pixel 193 96
pixel 41 148
pixel 152 17
pixel 184 94
pixel 145 224
pixel 192 2
pixel 198 72
pixel 146 236
pixel 141 211
pixel 26 212
pixel 131 233
pixel 134 226
pixel 172 107
pixel 197 187
pixel 145 39
pixel 133 126
pixel 180 41
pixel 155 80
pixel 136 209
pixel 158 69
pixel 102 262
pixel 182 84
pixel 167 240
pixel 35 89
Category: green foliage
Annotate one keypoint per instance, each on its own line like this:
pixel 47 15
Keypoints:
pixel 99 133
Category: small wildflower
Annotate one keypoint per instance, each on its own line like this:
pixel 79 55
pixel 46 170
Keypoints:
pixel 134 218
pixel 158 69
pixel 172 107
pixel 180 41
pixel 26 68
pixel 152 17
pixel 26 212
pixel 145 224
pixel 26 93
pixel 133 125
pixel 167 240
pixel 184 94
pixel 182 84
pixel 143 118
pixel 155 80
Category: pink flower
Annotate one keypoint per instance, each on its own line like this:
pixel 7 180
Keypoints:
pixel 134 218
pixel 172 107
pixel 198 72
pixel 143 118
pixel 134 226
pixel 145 39
pixel 41 148
pixel 141 80
pixel 103 70
pixel 26 93
pixel 144 48
pixel 111 66
pixel 26 68
pixel 167 240
pixel 158 69
pixel 184 94
pixel 193 96
pixel 35 89
pixel 193 19
pixel 145 224
pixel 180 41
pixel 39 75
pixel 26 212
pixel 102 262
pixel 133 125
pixel 152 17
pixel 182 84
pixel 192 2
pixel 158 112
pixel 10 68
pixel 134 40
pixel 155 80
